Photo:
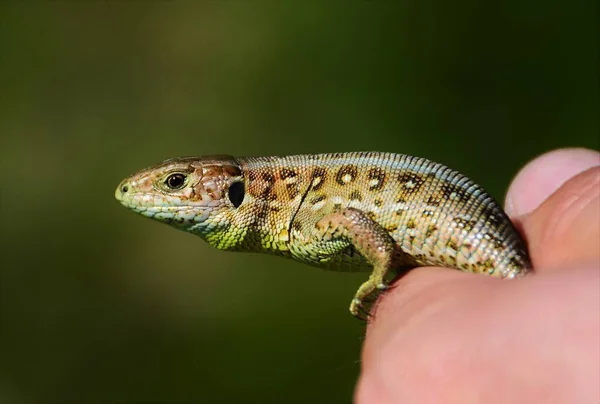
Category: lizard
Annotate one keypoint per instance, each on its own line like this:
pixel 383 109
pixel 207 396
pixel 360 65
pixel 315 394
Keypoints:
pixel 355 211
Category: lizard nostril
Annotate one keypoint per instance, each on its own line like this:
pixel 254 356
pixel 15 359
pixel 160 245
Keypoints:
pixel 124 188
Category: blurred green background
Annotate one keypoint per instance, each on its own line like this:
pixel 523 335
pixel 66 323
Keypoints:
pixel 99 305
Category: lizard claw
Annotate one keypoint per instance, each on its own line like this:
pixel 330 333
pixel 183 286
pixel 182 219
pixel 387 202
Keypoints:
pixel 361 308
pixel 359 311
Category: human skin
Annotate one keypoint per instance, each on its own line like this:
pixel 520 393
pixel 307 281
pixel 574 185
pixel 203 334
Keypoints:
pixel 443 336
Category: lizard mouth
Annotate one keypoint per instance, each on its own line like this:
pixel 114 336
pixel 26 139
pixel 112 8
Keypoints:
pixel 148 203
pixel 155 207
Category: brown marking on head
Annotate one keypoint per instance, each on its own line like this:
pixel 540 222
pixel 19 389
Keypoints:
pixel 213 179
pixel 376 177
pixel 411 224
pixel 371 215
pixel 378 202
pixel 346 174
pixel 355 195
pixel 210 186
pixel 401 198
pixel 211 182
pixel 296 225
pixel 318 178
pixel 211 171
pixel 427 213
pixel 232 171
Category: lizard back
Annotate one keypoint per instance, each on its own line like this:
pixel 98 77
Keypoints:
pixel 436 215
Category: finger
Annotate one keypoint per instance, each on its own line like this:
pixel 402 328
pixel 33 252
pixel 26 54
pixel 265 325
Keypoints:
pixel 466 338
pixel 544 175
pixel 565 229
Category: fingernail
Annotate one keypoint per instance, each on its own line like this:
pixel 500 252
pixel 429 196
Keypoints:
pixel 541 177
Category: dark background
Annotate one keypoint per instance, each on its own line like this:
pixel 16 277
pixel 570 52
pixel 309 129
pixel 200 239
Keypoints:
pixel 99 305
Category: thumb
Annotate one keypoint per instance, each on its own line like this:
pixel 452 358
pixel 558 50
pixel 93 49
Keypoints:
pixel 565 227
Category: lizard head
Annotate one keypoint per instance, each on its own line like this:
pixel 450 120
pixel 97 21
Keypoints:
pixel 195 194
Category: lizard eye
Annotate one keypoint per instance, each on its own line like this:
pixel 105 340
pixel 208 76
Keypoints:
pixel 236 193
pixel 175 181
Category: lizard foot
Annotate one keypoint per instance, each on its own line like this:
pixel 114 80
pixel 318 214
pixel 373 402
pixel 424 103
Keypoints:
pixel 360 307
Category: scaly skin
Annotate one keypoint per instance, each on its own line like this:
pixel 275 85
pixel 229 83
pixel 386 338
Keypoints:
pixel 345 211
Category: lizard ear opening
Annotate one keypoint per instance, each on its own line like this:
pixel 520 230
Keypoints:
pixel 236 193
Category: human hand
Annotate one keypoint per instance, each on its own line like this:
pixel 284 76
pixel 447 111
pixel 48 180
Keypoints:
pixel 444 336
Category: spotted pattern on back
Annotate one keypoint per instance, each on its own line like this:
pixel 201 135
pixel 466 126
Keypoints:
pixel 435 214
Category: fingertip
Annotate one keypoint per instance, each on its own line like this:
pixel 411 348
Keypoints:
pixel 541 177
pixel 564 229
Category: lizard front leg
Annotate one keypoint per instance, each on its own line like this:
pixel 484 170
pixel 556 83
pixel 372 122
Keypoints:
pixel 353 227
